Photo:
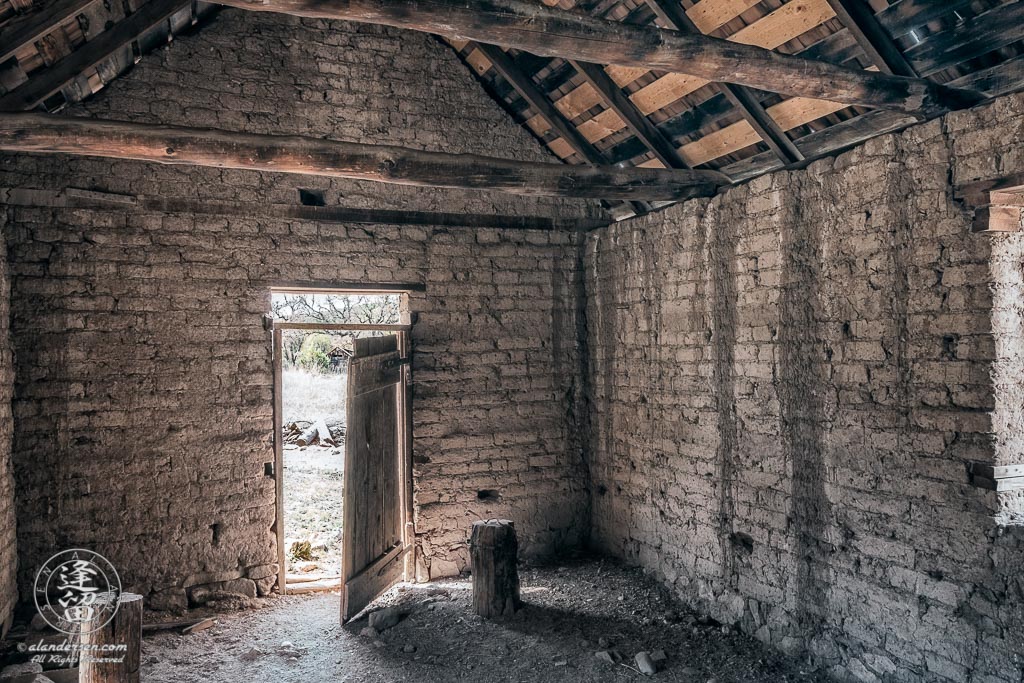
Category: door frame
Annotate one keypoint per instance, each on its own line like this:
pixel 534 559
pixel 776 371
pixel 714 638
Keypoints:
pixel 404 333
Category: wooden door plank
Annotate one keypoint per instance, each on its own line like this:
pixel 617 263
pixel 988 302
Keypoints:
pixel 279 460
pixel 372 489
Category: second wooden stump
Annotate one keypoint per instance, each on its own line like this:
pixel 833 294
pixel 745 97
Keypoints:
pixel 494 550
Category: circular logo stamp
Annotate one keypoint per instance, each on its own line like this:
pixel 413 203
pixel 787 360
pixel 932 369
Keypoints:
pixel 77 591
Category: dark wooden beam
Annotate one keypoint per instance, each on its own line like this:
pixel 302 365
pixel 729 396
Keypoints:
pixel 44 133
pixel 104 201
pixel 903 16
pixel 672 16
pixel 979 35
pixel 540 102
pixel 28 28
pixel 543 105
pixel 551 32
pixel 44 84
pixel 860 21
pixel 995 81
pixel 639 124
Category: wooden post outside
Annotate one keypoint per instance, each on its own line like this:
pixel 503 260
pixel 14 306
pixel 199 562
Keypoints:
pixel 125 629
pixel 494 550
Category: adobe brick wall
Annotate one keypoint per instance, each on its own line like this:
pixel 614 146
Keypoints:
pixel 8 525
pixel 143 407
pixel 787 380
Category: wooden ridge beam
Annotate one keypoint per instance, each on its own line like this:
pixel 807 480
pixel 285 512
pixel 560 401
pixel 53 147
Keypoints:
pixel 670 13
pixel 860 21
pixel 639 124
pixel 29 28
pixel 524 85
pixel 42 133
pixel 44 84
pixel 548 32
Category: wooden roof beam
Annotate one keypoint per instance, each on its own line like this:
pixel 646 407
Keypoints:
pixel 49 134
pixel 671 14
pixel 44 84
pixel 526 88
pixel 639 124
pixel 881 49
pixel 541 104
pixel 29 28
pixel 549 32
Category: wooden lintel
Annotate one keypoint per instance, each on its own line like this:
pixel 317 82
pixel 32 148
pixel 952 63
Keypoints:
pixel 82 199
pixel 552 32
pixel 998 203
pixel 998 478
pixel 999 219
pixel 42 133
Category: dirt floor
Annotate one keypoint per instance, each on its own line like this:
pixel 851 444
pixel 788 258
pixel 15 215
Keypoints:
pixel 312 507
pixel 571 613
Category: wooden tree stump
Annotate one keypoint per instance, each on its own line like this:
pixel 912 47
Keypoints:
pixel 124 629
pixel 494 549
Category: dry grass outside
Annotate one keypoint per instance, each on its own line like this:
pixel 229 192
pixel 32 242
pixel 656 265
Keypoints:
pixel 313 475
pixel 312 396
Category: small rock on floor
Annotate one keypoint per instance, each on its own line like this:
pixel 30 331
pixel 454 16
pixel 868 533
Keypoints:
pixel 13 670
pixel 645 663
pixel 384 619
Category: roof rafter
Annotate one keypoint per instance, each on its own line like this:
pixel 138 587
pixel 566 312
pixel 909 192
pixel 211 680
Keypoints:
pixel 31 27
pixel 31 93
pixel 672 16
pixel 860 21
pixel 526 88
pixel 639 124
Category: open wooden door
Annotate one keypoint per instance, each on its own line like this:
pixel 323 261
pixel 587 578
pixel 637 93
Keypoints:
pixel 374 537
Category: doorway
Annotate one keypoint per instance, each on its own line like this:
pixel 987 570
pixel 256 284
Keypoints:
pixel 342 441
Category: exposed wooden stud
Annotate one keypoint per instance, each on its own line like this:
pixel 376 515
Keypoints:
pixel 45 84
pixel 670 13
pixel 860 21
pixel 549 32
pixel 639 124
pixel 312 156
